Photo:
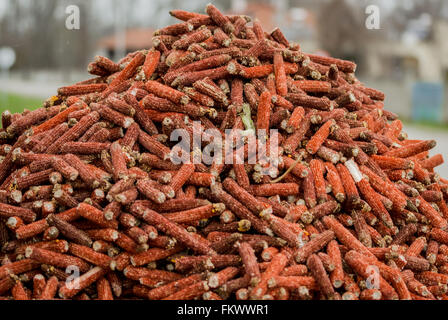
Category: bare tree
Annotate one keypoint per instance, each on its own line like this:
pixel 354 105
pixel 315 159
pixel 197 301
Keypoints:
pixel 341 29
pixel 40 37
pixel 408 11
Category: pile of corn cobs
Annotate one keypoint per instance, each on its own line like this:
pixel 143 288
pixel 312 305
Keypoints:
pixel 92 207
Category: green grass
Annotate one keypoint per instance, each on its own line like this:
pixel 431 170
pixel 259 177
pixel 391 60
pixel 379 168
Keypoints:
pixel 16 103
pixel 425 124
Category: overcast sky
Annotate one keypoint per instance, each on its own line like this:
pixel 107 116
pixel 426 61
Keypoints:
pixel 154 12
pixel 146 8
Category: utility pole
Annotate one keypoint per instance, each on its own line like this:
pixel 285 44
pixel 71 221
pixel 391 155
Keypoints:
pixel 120 29
pixel 238 6
pixel 281 7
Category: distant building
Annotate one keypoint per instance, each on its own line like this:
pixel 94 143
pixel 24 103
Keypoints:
pixel 136 39
pixel 296 22
pixel 423 60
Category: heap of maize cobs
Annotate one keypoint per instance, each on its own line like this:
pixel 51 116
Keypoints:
pixel 352 209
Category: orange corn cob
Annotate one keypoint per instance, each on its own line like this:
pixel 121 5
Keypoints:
pixel 264 112
pixel 313 86
pixel 319 137
pixel 280 74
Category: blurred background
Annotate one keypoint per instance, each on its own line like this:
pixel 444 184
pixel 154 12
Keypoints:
pixel 399 45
